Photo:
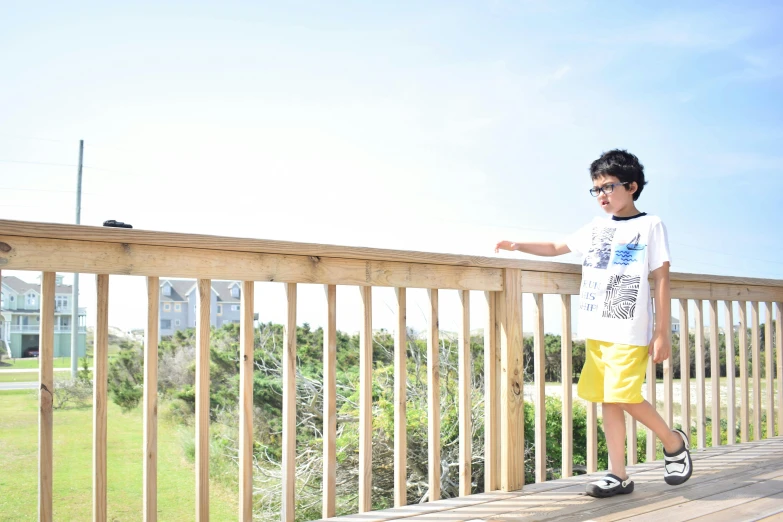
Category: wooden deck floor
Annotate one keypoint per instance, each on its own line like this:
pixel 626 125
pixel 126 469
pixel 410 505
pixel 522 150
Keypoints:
pixel 730 483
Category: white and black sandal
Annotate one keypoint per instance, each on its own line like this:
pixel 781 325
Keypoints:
pixel 678 466
pixel 609 486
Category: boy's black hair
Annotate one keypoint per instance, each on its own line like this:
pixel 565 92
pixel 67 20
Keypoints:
pixel 621 164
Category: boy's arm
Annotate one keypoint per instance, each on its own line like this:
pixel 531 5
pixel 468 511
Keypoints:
pixel 537 249
pixel 661 345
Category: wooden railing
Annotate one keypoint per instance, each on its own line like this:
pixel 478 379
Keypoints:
pixel 52 248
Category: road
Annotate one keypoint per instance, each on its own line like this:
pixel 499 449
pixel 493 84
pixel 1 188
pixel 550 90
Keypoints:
pixel 7 386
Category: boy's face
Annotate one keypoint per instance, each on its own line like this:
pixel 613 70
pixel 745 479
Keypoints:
pixel 620 196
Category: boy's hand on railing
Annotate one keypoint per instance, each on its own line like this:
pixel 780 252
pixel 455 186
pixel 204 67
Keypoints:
pixel 660 348
pixel 505 245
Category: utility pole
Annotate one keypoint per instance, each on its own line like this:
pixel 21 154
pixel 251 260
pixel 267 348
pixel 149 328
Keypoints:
pixel 75 298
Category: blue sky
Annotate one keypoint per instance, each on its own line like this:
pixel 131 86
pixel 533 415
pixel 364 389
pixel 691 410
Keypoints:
pixel 438 126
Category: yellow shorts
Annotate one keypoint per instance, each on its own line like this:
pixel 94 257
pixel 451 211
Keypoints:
pixel 613 372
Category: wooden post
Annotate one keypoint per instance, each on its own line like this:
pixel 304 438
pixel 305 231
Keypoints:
pixel 685 368
pixel 203 331
pixel 743 357
pixel 433 397
pixel 731 406
pixel 288 511
pixel 365 402
pixel 100 400
pixel 652 452
pixel 566 365
pixel 150 472
pixel 632 450
pixel 491 396
pixel 512 413
pixel 769 371
pixel 330 404
pixel 464 386
pixel 701 418
pixel 592 437
pixel 539 382
pixel 400 401
pixel 715 371
pixel 779 349
pixel 246 366
pixel 756 361
pixel 46 396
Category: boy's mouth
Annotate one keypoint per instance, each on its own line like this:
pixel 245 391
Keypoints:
pixel 604 203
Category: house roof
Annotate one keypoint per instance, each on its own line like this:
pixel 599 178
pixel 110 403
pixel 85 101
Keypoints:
pixel 22 287
pixel 223 290
pixel 180 288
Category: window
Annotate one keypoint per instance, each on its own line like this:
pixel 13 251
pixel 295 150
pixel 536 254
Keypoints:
pixel 234 308
pixel 167 290
pixel 61 302
pixel 219 309
pixel 176 322
pixel 165 324
pixel 167 307
pixel 177 307
pixel 235 292
pixel 30 299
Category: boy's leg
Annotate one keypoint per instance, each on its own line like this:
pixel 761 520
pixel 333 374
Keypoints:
pixel 614 430
pixel 647 415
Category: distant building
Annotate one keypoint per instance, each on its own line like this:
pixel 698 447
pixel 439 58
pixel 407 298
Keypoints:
pixel 178 300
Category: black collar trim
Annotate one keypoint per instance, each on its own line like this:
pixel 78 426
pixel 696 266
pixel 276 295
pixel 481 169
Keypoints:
pixel 640 214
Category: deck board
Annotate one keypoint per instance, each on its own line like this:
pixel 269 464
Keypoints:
pixel 739 482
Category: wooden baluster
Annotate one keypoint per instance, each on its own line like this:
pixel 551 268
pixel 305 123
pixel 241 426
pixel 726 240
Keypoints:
pixel 668 391
pixel 779 351
pixel 769 371
pixel 756 360
pixel 701 420
pixel 46 396
pixel 400 401
pixel 365 402
pixel 731 406
pixel 566 365
pixel 491 396
pixel 652 398
pixel 539 382
pixel 743 357
pixel 329 506
pixel 246 366
pixel 632 456
pixel 592 437
pixel 202 399
pixel 512 414
pixel 464 371
pixel 433 397
pixel 100 400
pixel 288 507
pixel 715 371
pixel 685 368
pixel 150 472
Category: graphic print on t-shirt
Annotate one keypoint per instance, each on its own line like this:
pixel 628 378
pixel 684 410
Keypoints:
pixel 601 248
pixel 632 252
pixel 621 294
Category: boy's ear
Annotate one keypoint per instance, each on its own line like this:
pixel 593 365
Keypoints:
pixel 633 187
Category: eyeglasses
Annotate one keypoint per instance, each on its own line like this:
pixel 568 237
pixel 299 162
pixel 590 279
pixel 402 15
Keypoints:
pixel 606 189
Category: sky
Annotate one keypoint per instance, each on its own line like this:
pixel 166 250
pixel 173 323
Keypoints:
pixel 432 126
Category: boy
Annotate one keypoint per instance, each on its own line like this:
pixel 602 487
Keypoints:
pixel 615 314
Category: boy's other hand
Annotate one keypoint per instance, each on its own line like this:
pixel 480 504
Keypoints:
pixel 505 245
pixel 660 348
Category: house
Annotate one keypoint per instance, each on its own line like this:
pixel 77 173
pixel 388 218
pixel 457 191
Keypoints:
pixel 21 319
pixel 675 325
pixel 178 299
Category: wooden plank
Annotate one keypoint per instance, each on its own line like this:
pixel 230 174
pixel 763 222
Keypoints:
pixel 779 351
pixel 16 229
pixel 758 509
pixel 756 366
pixel 731 401
pixel 400 400
pixel 329 503
pixel 145 260
pixel 701 418
pixel 632 446
pixel 715 371
pixel 539 382
pixel 743 361
pixel 566 365
pixel 246 367
pixel 769 374
pixel 204 295
pixel 512 413
pixel 491 396
pixel 464 369
pixel 685 368
pixel 433 397
pixel 289 407
pixel 592 437
pixel 46 396
pixel 652 398
pixel 100 400
pixel 150 414
pixel 365 402
pixel 668 392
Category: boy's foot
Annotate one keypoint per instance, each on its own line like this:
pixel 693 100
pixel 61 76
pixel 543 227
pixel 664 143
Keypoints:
pixel 678 466
pixel 609 486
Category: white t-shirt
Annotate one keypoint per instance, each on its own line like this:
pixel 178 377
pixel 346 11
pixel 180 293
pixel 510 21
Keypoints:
pixel 618 256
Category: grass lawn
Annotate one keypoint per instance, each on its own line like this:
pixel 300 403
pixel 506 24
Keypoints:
pixel 30 376
pixel 73 466
pixel 32 363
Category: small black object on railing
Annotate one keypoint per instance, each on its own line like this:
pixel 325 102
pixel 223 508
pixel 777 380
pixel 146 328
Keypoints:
pixel 116 224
